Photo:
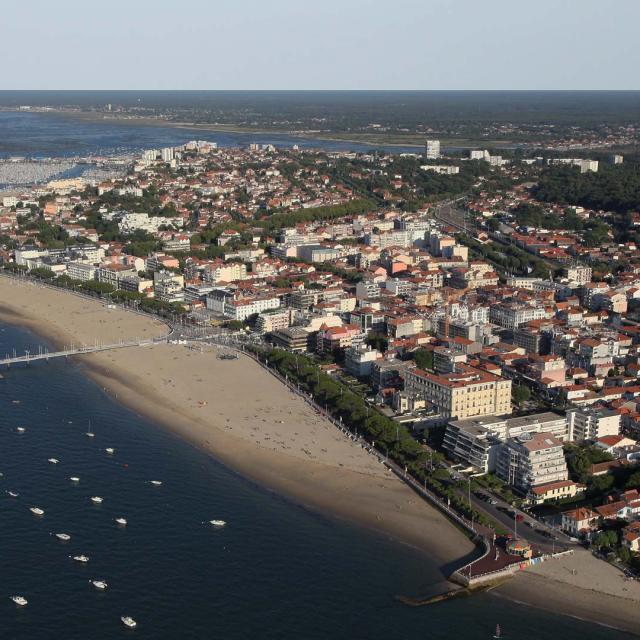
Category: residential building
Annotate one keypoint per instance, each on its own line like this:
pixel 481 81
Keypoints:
pixel 359 360
pixel 465 393
pixel 591 423
pixel 530 460
pixel 432 149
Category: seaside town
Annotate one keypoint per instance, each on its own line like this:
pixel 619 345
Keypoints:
pixel 484 307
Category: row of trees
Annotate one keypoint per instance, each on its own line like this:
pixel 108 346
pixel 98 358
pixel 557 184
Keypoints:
pixel 387 435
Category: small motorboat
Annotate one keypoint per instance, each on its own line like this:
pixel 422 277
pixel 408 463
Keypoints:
pixel 65 537
pixel 217 523
pixel 96 499
pixel 37 511
pixel 128 621
pixel 498 633
pixel 90 434
pixel 21 429
pixel 121 521
pixel 74 478
pixel 81 558
pixel 13 494
pixel 20 601
pixel 99 584
pixel 53 460
pixel 155 483
pixel 110 450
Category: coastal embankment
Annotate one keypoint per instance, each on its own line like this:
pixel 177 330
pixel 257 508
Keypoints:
pixel 241 414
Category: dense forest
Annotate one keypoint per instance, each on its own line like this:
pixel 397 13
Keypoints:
pixel 615 188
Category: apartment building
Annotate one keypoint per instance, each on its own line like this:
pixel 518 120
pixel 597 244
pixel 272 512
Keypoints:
pixel 531 460
pixel 578 274
pixel 359 360
pixel 332 339
pixel 224 272
pixel 590 423
pixel 432 149
pixel 113 273
pixel 273 320
pixel 81 271
pixel 476 441
pixel 465 393
pixel 168 286
pixel 512 315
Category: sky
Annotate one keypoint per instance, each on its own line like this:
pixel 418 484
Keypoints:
pixel 331 44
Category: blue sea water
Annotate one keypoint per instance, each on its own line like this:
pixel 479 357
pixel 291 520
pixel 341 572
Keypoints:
pixel 58 135
pixel 276 571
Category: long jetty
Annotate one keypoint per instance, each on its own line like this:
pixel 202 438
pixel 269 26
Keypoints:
pixel 44 354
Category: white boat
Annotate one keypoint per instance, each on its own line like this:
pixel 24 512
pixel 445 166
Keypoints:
pixel 81 558
pixel 128 621
pixel 96 499
pixel 13 494
pixel 217 523
pixel 110 450
pixel 99 584
pixel 90 433
pixel 63 536
pixel 53 460
pixel 122 521
pixel 156 483
pixel 37 511
pixel 20 601
pixel 74 478
pixel 21 429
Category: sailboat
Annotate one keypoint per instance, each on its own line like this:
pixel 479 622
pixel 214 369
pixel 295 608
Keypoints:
pixel 90 433
pixel 498 633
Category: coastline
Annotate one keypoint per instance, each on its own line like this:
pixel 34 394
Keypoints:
pixel 261 438
pixel 320 469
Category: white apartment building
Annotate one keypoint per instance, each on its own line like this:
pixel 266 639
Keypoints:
pixel 579 274
pixel 81 271
pixel 273 320
pixel 443 169
pixel 113 273
pixel 359 359
pixel 246 307
pixel 512 315
pixel 476 441
pixel 432 149
pixel 531 460
pixel 225 272
pixel 587 423
pixel 168 287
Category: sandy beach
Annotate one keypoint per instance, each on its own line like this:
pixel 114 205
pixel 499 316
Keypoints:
pixel 251 422
pixel 240 413
pixel 581 586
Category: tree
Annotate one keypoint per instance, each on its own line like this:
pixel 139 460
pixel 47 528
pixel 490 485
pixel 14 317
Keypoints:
pixel 624 554
pixel 633 482
pixel 378 341
pixel 423 358
pixel 521 394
